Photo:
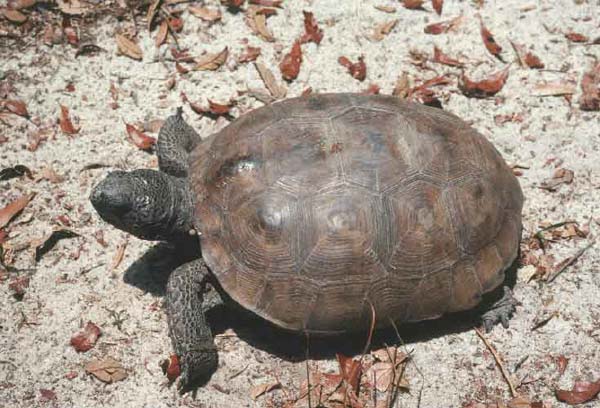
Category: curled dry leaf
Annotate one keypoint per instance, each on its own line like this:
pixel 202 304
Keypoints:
pixel 66 125
pixel 86 339
pixel 107 370
pixel 161 35
pixel 205 13
pixel 383 29
pixel 275 89
pixel 561 364
pixel 576 37
pixel 560 88
pixel 173 369
pixel 212 61
pixel 73 7
pixel 358 69
pixel 350 370
pixel 590 90
pixel 22 4
pixel 152 13
pixel 256 19
pixel 386 9
pixel 486 87
pixel 15 106
pixel 312 31
pixel 13 208
pixel 290 65
pixel 267 3
pixel 437 5
pixel 582 392
pixel 128 47
pixel 14 16
pixel 138 138
pixel 261 389
pixel 561 176
pixel 443 26
pixel 249 54
pixel 527 59
pixel 488 40
pixel 440 57
pixel 413 4
pixel 402 86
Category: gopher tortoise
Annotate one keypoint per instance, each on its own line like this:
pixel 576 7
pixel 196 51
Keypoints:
pixel 319 212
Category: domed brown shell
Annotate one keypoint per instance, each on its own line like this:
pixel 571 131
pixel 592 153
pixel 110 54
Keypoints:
pixel 317 211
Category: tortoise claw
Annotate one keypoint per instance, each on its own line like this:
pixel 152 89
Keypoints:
pixel 500 312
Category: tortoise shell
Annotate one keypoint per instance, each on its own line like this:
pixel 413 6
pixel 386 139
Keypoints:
pixel 317 211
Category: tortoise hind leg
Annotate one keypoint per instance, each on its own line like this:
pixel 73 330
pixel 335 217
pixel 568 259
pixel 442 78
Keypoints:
pixel 176 140
pixel 189 331
pixel 501 311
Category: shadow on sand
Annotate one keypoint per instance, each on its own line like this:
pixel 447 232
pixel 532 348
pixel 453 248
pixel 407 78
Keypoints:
pixel 151 272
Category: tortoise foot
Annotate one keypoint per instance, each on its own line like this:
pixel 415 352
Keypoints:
pixel 196 367
pixel 501 311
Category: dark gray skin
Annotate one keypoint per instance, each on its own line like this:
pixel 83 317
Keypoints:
pixel 158 205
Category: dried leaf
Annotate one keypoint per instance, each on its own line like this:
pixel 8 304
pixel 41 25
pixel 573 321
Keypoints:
pixel 440 57
pixel 554 89
pixel 86 339
pixel 13 208
pixel 152 13
pixel 373 89
pixel 290 65
pixel 437 6
pixel 232 3
pixel 118 257
pixel 488 40
pixel 413 4
pixel 14 172
pixel 211 62
pixel 561 364
pixel 527 59
pixel 581 392
pixel 576 37
pixel 402 86
pixel 22 4
pixel 561 176
pixel 350 370
pixel 18 285
pixel 138 138
pixel 383 29
pixel 175 24
pixel 15 106
pixel 205 13
pixel 358 70
pixel 276 90
pixel 386 9
pixel 46 243
pixel 161 35
pixel 261 389
pixel 443 26
pixel 73 7
pixel 486 87
pixel 250 54
pixel 312 31
pixel 47 395
pixel 14 16
pixel 107 370
pixel 260 23
pixel 128 47
pixel 381 375
pixel 171 367
pixel 267 3
pixel 65 123
pixel 590 90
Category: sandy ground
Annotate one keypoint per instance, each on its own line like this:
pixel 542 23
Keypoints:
pixel 74 283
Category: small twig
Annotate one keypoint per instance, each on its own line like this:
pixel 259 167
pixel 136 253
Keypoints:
pixel 568 262
pixel 492 350
pixel 232 376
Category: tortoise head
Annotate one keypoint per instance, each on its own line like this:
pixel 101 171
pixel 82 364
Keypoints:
pixel 146 203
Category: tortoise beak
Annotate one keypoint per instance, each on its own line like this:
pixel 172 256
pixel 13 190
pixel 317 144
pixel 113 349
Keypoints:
pixel 110 197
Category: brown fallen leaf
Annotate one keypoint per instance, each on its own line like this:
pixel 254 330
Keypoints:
pixel 260 389
pixel 48 173
pixel 66 125
pixel 413 4
pixel 205 13
pixel 488 40
pixel 212 61
pixel 70 32
pixel 22 4
pixel 73 7
pixel 290 65
pixel 383 29
pixel 312 31
pixel 402 86
pixel 350 370
pixel 86 339
pixel 437 6
pixel 561 176
pixel 152 13
pixel 249 54
pixel 15 106
pixel 14 16
pixel 576 37
pixel 107 370
pixel 582 392
pixel 118 257
pixel 486 87
pixel 13 208
pixel 161 35
pixel 267 3
pixel 257 21
pixel 18 286
pixel 443 26
pixel 590 90
pixel 373 89
pixel 275 89
pixel 526 58
pixel 138 138
pixel 560 88
pixel 441 58
pixel 128 47
pixel 171 367
pixel 561 364
pixel 232 3
pixel 47 395
pixel 386 9
pixel 358 69
pixel 175 24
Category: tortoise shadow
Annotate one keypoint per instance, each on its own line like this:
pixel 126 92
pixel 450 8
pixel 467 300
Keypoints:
pixel 151 273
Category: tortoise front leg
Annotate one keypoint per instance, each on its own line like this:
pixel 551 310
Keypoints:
pixel 189 331
pixel 176 140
